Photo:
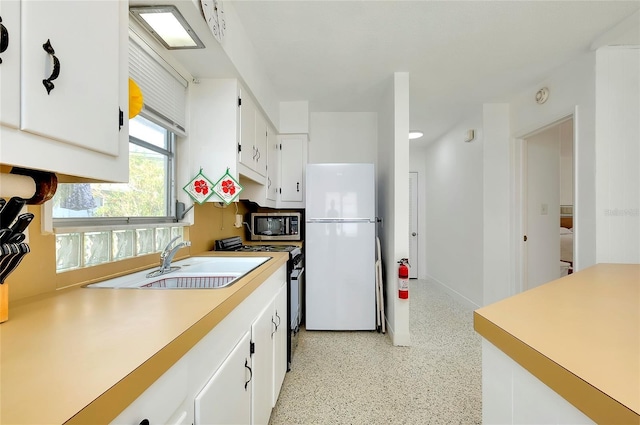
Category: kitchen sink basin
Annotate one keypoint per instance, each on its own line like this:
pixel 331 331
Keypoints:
pixel 192 273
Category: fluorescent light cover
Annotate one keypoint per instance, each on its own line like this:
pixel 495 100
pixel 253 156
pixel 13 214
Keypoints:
pixel 168 26
pixel 415 134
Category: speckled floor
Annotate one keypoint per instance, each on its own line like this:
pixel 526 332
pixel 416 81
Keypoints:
pixel 360 378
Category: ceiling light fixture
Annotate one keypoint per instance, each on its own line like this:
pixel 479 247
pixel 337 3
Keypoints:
pixel 167 25
pixel 415 134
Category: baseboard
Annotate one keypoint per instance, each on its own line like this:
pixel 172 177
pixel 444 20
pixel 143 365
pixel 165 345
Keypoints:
pixel 398 340
pixel 455 294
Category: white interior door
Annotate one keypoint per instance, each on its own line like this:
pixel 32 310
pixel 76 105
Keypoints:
pixel 413 225
pixel 542 183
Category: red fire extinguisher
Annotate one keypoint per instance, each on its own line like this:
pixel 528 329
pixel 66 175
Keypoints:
pixel 403 279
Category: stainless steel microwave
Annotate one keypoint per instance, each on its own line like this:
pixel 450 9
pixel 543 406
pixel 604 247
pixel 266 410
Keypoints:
pixel 275 226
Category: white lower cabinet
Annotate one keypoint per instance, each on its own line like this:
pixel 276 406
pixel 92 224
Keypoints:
pixel 232 375
pixel 226 399
pixel 269 357
pixel 280 343
pixel 263 330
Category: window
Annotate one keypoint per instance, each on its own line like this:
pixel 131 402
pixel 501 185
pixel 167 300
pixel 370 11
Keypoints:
pixel 108 222
pixel 96 223
pixel 150 191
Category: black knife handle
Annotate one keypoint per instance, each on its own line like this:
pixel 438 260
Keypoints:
pixel 16 238
pixel 5 234
pixel 22 222
pixel 11 210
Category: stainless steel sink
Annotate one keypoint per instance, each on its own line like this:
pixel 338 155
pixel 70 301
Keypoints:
pixel 192 273
pixel 195 281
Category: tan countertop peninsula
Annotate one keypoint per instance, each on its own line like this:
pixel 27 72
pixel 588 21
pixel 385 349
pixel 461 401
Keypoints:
pixel 580 335
pixel 83 355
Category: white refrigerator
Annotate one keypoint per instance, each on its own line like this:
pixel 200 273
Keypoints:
pixel 339 242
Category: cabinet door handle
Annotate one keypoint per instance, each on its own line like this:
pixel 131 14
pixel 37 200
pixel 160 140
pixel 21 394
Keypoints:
pixel 4 38
pixel 56 67
pixel 268 183
pixel 275 327
pixel 297 186
pixel 279 320
pixel 255 152
pixel 259 154
pixel 246 364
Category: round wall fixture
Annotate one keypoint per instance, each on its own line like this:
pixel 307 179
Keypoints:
pixel 542 95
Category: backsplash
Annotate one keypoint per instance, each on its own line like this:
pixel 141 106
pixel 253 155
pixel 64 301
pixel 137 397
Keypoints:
pixel 37 272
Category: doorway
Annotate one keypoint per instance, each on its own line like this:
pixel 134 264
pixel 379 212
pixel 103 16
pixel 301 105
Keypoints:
pixel 548 201
pixel 413 225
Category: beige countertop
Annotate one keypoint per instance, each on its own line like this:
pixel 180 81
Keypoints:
pixel 83 355
pixel 580 335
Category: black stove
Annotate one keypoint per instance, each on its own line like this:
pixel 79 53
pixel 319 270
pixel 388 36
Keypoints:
pixel 235 244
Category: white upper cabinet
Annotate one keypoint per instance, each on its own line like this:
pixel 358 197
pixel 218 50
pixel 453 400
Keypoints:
pixel 273 165
pixel 213 129
pixel 10 66
pixel 80 106
pixel 261 144
pixel 287 159
pixel 252 151
pixel 227 130
pixel 64 83
pixel 247 149
pixel 293 162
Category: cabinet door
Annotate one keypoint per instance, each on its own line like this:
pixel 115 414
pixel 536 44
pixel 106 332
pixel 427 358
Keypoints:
pixel 226 398
pixel 280 342
pixel 162 402
pixel 263 334
pixel 261 144
pixel 82 106
pixel 273 155
pixel 292 168
pixel 247 154
pixel 10 68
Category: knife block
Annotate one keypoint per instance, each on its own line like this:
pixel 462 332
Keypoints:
pixel 31 187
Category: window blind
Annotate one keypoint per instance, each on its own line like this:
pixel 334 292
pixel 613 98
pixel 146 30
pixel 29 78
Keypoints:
pixel 164 90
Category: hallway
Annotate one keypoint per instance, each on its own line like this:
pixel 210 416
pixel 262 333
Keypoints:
pixel 360 378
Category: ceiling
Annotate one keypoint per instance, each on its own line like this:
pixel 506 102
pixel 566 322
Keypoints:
pixel 340 55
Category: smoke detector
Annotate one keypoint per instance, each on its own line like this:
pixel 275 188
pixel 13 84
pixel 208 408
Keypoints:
pixel 542 95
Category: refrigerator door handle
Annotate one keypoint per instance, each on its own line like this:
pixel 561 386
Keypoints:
pixel 340 220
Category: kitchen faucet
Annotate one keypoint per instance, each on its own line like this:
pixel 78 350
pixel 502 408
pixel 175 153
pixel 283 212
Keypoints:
pixel 166 257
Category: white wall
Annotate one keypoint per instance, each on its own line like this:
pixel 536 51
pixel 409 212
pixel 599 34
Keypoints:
pixel 454 210
pixel 252 72
pixel 572 91
pixel 617 168
pixel 393 198
pixel 497 187
pixel 343 137
pixel 294 117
